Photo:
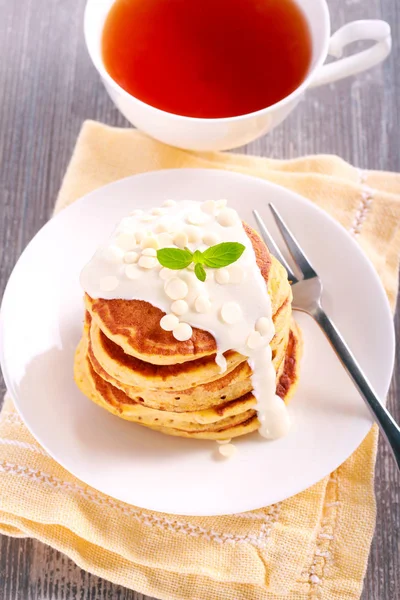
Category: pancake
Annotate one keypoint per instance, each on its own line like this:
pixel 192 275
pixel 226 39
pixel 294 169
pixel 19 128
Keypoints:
pixel 225 433
pixel 116 402
pixel 289 379
pixel 232 385
pixel 134 325
pixel 135 372
pixel 287 385
pixel 223 421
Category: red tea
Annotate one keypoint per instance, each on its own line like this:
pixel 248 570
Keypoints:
pixel 207 58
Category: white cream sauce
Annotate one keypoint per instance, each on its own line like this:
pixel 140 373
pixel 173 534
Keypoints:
pixel 233 306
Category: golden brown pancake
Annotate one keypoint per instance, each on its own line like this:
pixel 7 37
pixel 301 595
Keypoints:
pixel 135 372
pixel 223 421
pixel 168 384
pixel 110 397
pixel 287 386
pixel 228 387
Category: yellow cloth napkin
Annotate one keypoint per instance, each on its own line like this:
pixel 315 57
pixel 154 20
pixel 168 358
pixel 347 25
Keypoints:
pixel 314 545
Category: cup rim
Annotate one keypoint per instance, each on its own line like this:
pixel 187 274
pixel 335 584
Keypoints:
pixel 100 67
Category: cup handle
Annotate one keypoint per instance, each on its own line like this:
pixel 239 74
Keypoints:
pixel 361 61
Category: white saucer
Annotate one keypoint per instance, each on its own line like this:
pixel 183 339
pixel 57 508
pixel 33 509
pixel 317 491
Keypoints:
pixel 41 321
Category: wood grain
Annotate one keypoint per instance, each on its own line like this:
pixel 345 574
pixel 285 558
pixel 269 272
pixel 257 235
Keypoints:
pixel 47 88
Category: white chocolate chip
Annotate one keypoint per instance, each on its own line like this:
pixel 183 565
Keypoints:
pixel 182 332
pixel 169 322
pixel 209 207
pixel 231 312
pixel 132 272
pixel 149 242
pixel 131 257
pixel 221 203
pixel 126 241
pixel 108 283
pixel 228 450
pixel 113 254
pixel 197 218
pixel 179 307
pixel 169 203
pixel 166 273
pixel 193 234
pixel 210 239
pixel 157 211
pixel 136 212
pixel 181 239
pixel 176 288
pixel 255 340
pixel 222 276
pixel 223 442
pixel 236 274
pixel 202 303
pixel 148 262
pixel 227 217
pixel 211 274
pixel 140 235
pixel 264 326
pixel 165 239
pixel 160 228
pixel 149 252
pixel 146 218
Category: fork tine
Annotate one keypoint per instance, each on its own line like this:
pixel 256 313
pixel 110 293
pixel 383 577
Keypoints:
pixel 297 253
pixel 273 248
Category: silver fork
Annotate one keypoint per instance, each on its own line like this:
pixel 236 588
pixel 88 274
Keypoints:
pixel 307 293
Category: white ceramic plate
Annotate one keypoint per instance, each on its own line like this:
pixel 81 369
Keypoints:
pixel 41 320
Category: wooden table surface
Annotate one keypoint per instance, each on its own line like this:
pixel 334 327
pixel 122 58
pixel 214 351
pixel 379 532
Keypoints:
pixel 48 87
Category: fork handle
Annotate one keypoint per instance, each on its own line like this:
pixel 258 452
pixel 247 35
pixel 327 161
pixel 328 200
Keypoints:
pixel 381 415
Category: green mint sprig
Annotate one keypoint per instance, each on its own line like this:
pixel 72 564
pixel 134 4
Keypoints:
pixel 215 257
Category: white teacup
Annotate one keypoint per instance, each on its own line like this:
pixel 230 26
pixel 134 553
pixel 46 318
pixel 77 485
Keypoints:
pixel 225 133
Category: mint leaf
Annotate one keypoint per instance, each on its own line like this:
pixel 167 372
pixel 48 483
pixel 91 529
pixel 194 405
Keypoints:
pixel 223 254
pixel 174 258
pixel 214 257
pixel 200 272
pixel 198 257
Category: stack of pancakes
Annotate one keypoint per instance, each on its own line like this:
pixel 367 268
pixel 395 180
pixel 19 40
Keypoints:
pixel 130 366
